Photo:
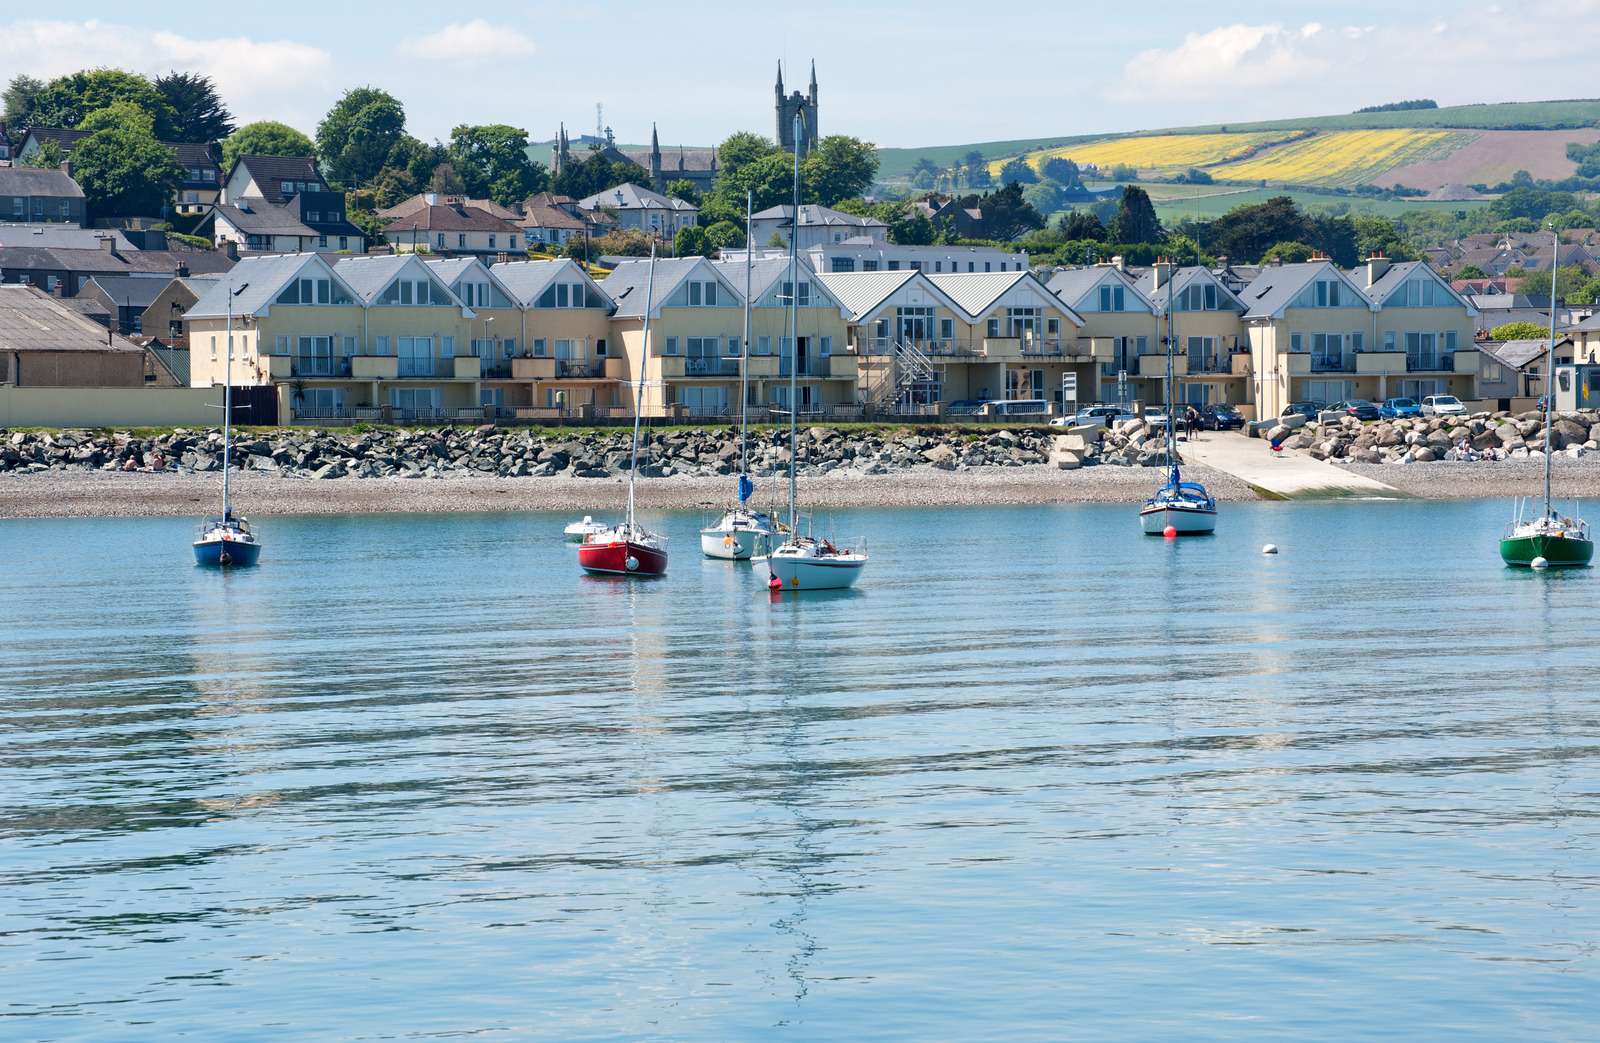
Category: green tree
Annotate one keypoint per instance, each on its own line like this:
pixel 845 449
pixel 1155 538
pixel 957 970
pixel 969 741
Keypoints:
pixel 1537 284
pixel 1245 233
pixel 1045 197
pixel 1375 234
pixel 1082 224
pixel 1471 271
pixel 119 114
pixel 1063 172
pixel 199 115
pixel 1184 251
pixel 446 181
pixel 265 138
pixel 908 225
pixel 976 169
pixel 724 235
pixel 21 97
pixel 690 242
pixel 596 174
pixel 839 167
pixel 392 185
pixel 624 242
pixel 1336 237
pixel 125 172
pixel 66 100
pixel 1018 170
pixel 1006 214
pixel 356 136
pixel 1532 203
pixel 48 156
pixel 1135 220
pixel 682 188
pixel 1519 331
pixel 1288 253
pixel 740 148
pixel 493 162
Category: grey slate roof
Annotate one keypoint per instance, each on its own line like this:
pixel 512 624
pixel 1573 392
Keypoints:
pixel 130 291
pixel 367 276
pixel 626 284
pixel 451 268
pixel 259 217
pixel 1180 280
pixel 175 359
pixel 1517 353
pixel 862 292
pixel 1070 285
pixel 263 275
pixel 32 181
pixel 635 197
pixel 1277 285
pixel 526 280
pixel 812 215
pixel 32 320
pixel 50 236
pixel 269 172
pixel 976 292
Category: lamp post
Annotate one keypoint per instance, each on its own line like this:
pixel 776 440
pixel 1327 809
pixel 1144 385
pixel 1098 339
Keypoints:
pixel 487 353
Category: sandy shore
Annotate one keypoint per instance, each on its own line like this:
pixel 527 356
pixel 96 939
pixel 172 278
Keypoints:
pixel 100 494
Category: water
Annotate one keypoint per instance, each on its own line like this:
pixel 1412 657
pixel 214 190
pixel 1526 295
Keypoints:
pixel 1037 777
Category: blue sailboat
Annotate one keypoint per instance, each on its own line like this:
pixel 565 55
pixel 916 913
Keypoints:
pixel 225 540
pixel 1178 508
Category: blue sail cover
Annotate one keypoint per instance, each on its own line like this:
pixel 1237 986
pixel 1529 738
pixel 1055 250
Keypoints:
pixel 746 487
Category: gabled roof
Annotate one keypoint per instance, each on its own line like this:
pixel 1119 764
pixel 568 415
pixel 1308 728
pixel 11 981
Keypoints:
pixel 262 277
pixel 32 320
pixel 255 216
pixel 1516 354
pixel 635 197
pixel 449 217
pixel 451 269
pixel 1073 284
pixel 540 211
pixel 812 216
pixel 419 202
pixel 766 272
pixel 269 172
pixel 526 280
pixel 1397 275
pixel 1179 281
pixel 369 276
pixel 69 237
pixel 130 291
pixel 1278 285
pixel 34 181
pixel 322 204
pixel 977 292
pixel 626 284
pixel 863 293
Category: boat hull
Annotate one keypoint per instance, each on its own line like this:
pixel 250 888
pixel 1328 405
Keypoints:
pixel 220 553
pixel 730 544
pixel 816 573
pixel 1187 521
pixel 1557 551
pixel 622 558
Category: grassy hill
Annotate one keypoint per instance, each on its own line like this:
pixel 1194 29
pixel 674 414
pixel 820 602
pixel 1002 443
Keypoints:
pixel 896 164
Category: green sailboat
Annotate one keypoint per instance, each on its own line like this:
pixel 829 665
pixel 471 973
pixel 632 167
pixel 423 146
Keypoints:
pixel 1551 539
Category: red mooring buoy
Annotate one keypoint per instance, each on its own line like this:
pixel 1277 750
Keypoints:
pixel 1170 532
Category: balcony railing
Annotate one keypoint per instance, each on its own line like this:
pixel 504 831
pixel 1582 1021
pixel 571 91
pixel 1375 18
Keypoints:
pixel 318 366
pixel 1333 363
pixel 1042 347
pixel 497 369
pixel 423 366
pixel 710 366
pixel 580 367
pixel 1210 364
pixel 1422 362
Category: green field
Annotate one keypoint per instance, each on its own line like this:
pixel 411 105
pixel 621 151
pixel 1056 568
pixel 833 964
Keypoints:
pixel 895 164
pixel 1221 199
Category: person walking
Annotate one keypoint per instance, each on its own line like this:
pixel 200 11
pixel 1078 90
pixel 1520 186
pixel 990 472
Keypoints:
pixel 1191 419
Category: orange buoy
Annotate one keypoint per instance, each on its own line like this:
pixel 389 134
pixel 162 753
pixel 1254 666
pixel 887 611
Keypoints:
pixel 1170 532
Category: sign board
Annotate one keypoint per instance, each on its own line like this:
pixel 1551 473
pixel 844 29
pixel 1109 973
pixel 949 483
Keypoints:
pixel 1069 386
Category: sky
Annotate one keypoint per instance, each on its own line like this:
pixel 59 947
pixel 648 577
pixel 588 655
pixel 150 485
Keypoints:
pixel 898 74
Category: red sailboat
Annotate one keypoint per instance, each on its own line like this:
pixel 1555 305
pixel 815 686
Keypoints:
pixel 629 549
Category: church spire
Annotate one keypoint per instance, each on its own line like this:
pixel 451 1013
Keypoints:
pixel 813 78
pixel 780 79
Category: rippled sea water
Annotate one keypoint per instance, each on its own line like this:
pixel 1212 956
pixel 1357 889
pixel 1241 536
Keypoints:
pixel 1038 777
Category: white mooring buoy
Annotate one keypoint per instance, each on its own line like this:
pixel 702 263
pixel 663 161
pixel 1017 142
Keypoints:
pixel 1539 563
pixel 1271 548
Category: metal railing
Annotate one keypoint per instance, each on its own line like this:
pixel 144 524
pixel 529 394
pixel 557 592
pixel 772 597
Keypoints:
pixel 1033 347
pixel 1210 364
pixel 425 366
pixel 580 368
pixel 499 368
pixel 318 366
pixel 1333 363
pixel 1421 362
pixel 710 366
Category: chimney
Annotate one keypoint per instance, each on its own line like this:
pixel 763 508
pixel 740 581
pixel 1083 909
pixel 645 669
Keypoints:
pixel 1119 262
pixel 181 272
pixel 1222 261
pixel 108 243
pixel 1277 260
pixel 1377 265
pixel 1163 272
pixel 431 198
pixel 231 249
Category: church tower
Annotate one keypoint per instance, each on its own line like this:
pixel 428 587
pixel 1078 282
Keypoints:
pixel 805 105
pixel 657 182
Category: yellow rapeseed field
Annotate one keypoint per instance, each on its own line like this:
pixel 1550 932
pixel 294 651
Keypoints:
pixel 1340 157
pixel 1155 151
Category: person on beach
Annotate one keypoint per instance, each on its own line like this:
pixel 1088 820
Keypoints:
pixel 1191 419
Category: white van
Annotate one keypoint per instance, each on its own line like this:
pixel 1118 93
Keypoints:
pixel 1018 407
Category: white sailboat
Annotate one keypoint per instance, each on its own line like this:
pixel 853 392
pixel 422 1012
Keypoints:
pixel 223 540
pixel 805 562
pixel 741 532
pixel 1178 508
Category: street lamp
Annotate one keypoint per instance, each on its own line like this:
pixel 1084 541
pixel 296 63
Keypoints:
pixel 487 352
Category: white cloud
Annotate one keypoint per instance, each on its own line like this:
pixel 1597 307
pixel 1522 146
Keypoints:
pixel 1230 57
pixel 467 41
pixel 258 79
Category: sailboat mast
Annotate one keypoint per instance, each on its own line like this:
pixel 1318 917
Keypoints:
pixel 1172 404
pixel 744 356
pixel 1550 363
pixel 638 391
pixel 794 328
pixel 227 409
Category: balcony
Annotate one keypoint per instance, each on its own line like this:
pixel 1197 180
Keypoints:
pixel 1207 364
pixel 533 368
pixel 374 367
pixel 1427 362
pixel 710 366
pixel 947 349
pixel 570 369
pixel 458 367
pixel 1380 363
pixel 1002 347
pixel 1465 360
pixel 1043 348
pixel 1239 364
pixel 825 368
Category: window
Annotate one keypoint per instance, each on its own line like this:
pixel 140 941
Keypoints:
pixel 513 242
pixel 1388 341
pixel 1296 343
pixel 1357 342
pixel 1113 298
pixel 280 345
pixel 1052 326
pixel 894 266
pixel 993 328
pixel 538 347
pixel 382 347
pixel 916 265
pixel 322 242
pixel 447 347
pixel 733 347
pixel 842 264
pixel 805 294
pixel 763 345
pixel 313 217
pixel 349 346
pixel 286 188
pixel 672 346
pixel 947 329
pixel 825 346
pixel 1450 340
pixel 702 294
pixel 869 266
pixel 441 240
pixel 406 292
pixel 66 208
pixel 491 240
pixel 600 346
pixel 938 266
pixel 461 241
pixel 986 266
pixel 19 206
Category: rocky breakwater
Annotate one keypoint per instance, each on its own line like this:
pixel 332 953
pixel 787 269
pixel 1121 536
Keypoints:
pixel 488 451
pixel 1131 443
pixel 1479 437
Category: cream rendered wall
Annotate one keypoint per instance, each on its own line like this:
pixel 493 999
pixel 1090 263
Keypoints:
pixel 109 407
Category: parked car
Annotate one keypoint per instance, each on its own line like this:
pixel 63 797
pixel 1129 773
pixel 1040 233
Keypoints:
pixel 1156 416
pixel 964 407
pixel 1359 408
pixel 1221 418
pixel 1443 405
pixel 1396 408
pixel 1309 410
pixel 1018 407
pixel 1105 416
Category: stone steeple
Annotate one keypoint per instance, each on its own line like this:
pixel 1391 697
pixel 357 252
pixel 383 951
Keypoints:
pixel 803 104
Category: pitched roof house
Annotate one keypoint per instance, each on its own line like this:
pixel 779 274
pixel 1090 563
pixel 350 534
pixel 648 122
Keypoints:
pixel 29 194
